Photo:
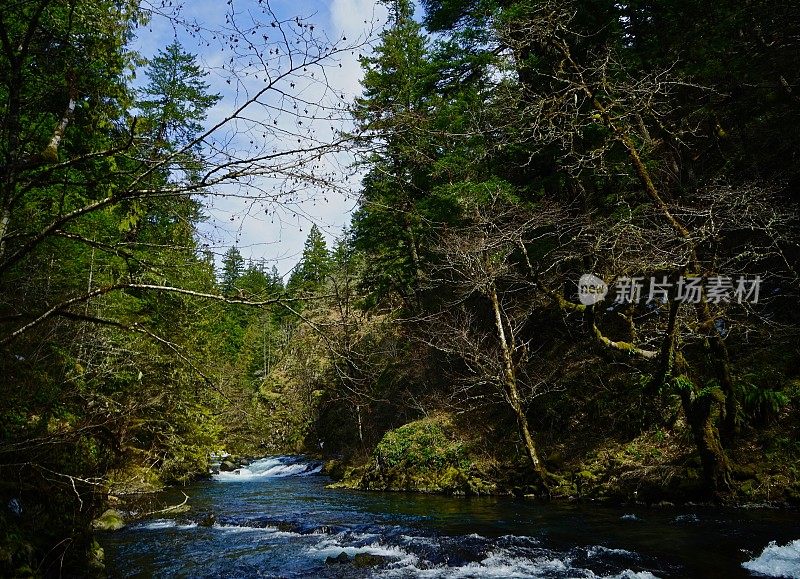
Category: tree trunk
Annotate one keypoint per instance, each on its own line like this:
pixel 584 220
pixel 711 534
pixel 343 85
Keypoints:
pixel 667 354
pixel 530 447
pixel 721 358
pixel 716 469
pixel 5 218
pixel 699 410
pixel 512 394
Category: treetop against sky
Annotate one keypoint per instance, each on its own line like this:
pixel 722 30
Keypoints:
pixel 308 113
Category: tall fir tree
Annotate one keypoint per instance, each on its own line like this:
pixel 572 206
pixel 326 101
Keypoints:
pixel 232 270
pixel 314 264
pixel 391 115
pixel 175 100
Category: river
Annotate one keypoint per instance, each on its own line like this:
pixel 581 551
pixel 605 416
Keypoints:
pixel 277 519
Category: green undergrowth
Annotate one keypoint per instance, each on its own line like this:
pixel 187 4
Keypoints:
pixel 426 455
pixel 655 467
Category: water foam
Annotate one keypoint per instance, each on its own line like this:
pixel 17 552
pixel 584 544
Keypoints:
pixel 166 524
pixel 495 565
pixel 269 468
pixel 504 563
pixel 777 561
pixel 498 563
pixel 600 550
pixel 271 531
pixel 332 546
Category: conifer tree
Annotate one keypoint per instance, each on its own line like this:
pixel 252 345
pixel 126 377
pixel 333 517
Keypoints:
pixel 314 265
pixel 232 270
pixel 391 114
pixel 176 99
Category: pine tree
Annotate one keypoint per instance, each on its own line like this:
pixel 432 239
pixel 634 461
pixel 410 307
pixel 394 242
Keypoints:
pixel 392 114
pixel 176 99
pixel 314 265
pixel 232 270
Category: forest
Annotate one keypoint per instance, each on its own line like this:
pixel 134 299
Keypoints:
pixel 517 159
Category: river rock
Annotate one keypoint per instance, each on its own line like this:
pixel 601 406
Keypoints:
pixel 227 466
pixel 96 559
pixel 287 527
pixel 338 560
pixel 110 520
pixel 363 560
pixel 335 469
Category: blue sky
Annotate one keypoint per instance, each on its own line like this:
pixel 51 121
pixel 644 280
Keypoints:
pixel 278 236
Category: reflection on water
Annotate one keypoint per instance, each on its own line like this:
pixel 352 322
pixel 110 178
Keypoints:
pixel 277 519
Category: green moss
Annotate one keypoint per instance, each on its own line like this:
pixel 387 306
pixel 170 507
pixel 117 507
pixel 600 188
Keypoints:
pixel 335 469
pixel 96 557
pixel 350 477
pixel 270 396
pixel 110 520
pixel 748 488
pixel 425 456
pixel 426 443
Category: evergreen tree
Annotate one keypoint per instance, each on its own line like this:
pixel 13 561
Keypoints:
pixel 314 265
pixel 276 280
pixel 392 114
pixel 232 270
pixel 176 98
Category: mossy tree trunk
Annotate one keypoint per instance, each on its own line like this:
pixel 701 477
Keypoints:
pixel 698 406
pixel 511 390
pixel 721 361
pixel 700 415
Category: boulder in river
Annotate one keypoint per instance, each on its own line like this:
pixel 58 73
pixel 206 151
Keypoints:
pixel 287 527
pixel 227 466
pixel 110 520
pixel 427 455
pixel 340 559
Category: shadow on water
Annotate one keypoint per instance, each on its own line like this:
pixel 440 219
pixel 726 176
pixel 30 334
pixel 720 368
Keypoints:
pixel 277 519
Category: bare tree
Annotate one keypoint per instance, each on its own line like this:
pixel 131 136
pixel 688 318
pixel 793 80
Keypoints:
pixel 585 100
pixel 482 323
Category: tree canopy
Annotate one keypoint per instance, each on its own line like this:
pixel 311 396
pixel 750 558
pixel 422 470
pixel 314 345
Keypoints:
pixel 575 245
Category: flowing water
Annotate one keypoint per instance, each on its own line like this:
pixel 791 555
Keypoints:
pixel 277 519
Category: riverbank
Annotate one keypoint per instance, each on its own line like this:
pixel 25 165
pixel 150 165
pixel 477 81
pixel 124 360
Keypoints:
pixel 437 455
